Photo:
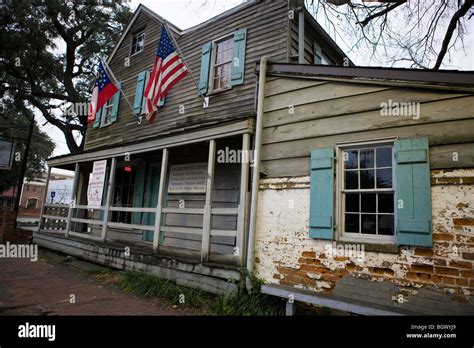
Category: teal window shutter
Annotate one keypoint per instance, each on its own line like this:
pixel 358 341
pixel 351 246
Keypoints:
pixel 139 188
pixel 412 176
pixel 116 103
pixel 205 67
pixel 97 120
pixel 318 54
pixel 238 57
pixel 137 104
pixel 321 220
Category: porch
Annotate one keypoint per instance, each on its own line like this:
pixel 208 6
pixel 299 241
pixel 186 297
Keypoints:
pixel 172 201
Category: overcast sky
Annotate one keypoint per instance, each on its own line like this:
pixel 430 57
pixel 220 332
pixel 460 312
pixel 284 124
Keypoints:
pixel 187 13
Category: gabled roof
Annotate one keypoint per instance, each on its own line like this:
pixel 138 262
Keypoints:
pixel 142 8
pixel 179 32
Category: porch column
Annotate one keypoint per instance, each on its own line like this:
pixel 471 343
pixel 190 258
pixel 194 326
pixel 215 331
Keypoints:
pixel 241 218
pixel 108 201
pixel 159 207
pixel 73 198
pixel 45 196
pixel 206 225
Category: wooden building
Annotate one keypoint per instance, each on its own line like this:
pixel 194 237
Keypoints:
pixel 170 202
pixel 343 186
pixel 366 192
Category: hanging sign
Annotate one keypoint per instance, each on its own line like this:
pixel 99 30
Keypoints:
pixel 96 184
pixel 7 149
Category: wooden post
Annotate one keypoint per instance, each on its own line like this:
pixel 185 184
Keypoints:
pixel 73 198
pixel 45 196
pixel 206 225
pixel 244 182
pixel 108 201
pixel 159 207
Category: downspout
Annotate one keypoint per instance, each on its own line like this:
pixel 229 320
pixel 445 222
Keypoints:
pixel 256 167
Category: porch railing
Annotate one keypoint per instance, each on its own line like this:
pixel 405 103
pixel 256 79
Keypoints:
pixel 82 220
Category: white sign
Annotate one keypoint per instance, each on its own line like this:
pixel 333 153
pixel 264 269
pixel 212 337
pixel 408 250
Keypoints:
pixel 6 154
pixel 96 184
pixel 189 178
pixel 62 190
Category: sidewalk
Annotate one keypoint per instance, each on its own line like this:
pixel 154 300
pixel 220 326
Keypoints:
pixel 45 288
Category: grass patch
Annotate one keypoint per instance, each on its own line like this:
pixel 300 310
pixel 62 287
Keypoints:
pixel 244 303
pixel 150 286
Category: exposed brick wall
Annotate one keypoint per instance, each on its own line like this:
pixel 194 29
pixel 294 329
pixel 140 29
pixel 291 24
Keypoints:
pixel 32 191
pixel 286 255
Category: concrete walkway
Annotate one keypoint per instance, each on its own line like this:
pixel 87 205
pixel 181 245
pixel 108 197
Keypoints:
pixel 45 288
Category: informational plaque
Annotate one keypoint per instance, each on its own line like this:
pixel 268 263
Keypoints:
pixel 6 154
pixel 188 178
pixel 96 184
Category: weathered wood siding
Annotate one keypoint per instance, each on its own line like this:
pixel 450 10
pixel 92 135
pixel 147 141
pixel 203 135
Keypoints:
pixel 266 24
pixel 328 112
pixel 310 37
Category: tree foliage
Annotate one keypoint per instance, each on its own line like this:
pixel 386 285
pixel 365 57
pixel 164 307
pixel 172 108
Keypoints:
pixel 50 50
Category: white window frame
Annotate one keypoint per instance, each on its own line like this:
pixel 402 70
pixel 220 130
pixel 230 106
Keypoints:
pixel 213 59
pixel 104 121
pixel 133 38
pixel 353 237
pixel 147 78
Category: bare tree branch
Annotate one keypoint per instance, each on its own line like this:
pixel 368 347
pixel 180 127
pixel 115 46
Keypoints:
pixel 449 32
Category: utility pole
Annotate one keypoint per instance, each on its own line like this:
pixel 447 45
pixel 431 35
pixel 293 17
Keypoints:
pixel 23 167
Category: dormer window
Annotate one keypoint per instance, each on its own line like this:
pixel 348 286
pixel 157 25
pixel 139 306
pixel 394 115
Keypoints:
pixel 138 42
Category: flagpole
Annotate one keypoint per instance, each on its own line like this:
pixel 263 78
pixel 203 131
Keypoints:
pixel 119 86
pixel 184 60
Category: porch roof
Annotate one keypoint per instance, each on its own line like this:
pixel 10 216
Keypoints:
pixel 154 143
pixel 440 79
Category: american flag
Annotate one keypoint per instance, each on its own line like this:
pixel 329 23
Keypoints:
pixel 103 90
pixel 168 70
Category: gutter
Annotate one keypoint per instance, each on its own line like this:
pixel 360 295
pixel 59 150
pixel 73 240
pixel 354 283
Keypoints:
pixel 256 167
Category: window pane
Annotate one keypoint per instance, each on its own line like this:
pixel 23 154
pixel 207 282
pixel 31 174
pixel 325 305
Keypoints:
pixel 385 202
pixel 367 179
pixel 351 179
pixel 368 201
pixel 351 223
pixel 350 159
pixel 386 225
pixel 352 202
pixel 384 157
pixel 367 158
pixel 368 223
pixel 384 178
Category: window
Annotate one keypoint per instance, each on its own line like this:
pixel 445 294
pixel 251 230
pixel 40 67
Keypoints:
pixel 320 56
pixel 222 64
pixel 124 193
pixel 367 193
pixel 31 203
pixel 138 42
pixel 107 113
pixel 142 111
